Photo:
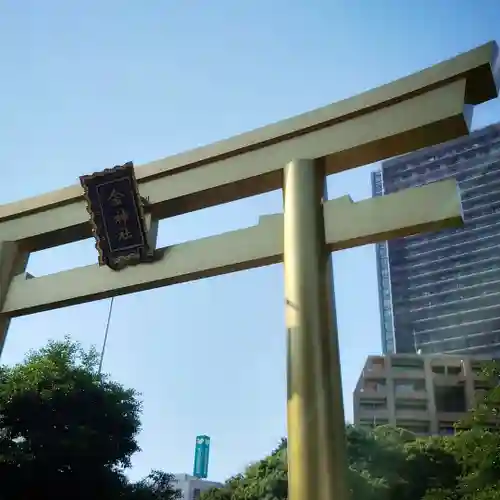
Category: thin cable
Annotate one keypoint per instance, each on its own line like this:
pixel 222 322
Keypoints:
pixel 106 334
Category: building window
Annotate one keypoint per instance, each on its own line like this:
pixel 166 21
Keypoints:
pixel 482 385
pixel 410 363
pixel 408 386
pixel 450 398
pixel 415 426
pixel 446 428
pixel 196 494
pixel 454 370
pixel 411 404
pixel 374 385
pixel 438 369
pixel 375 422
pixel 477 366
pixel 373 404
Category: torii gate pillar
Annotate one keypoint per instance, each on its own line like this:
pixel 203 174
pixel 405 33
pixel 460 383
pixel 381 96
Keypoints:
pixel 316 447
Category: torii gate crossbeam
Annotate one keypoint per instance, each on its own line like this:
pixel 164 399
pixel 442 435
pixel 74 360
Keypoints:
pixel 297 154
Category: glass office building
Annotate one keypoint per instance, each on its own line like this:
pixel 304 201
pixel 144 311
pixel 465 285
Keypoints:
pixel 440 292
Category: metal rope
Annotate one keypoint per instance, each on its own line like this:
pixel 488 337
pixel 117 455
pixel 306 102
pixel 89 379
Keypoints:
pixel 106 334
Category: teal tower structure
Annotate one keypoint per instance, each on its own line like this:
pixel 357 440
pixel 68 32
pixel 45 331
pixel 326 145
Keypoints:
pixel 201 456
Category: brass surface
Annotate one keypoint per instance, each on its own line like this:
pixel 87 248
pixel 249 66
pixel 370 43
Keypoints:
pixel 347 224
pixel 316 429
pixel 13 262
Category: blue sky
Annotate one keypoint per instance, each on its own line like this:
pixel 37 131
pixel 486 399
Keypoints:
pixel 88 85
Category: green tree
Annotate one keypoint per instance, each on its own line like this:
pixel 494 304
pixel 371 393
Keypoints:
pixel 65 430
pixel 429 465
pixel 158 485
pixel 392 463
pixel 476 447
pixel 263 480
pixel 383 464
pixel 217 494
pixel 267 479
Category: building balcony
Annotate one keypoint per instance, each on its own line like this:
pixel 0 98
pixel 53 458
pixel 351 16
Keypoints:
pixel 419 286
pixel 453 249
pixel 480 209
pixel 471 198
pixel 467 237
pixel 407 373
pixel 457 318
pixel 445 332
pixel 472 166
pixel 372 414
pixel 476 301
pixel 441 380
pixel 443 236
pixel 487 348
pixel 470 274
pixel 485 185
pixel 438 294
pixel 373 393
pixel 412 414
pixel 405 395
pixel 450 416
pixel 410 388
pixel 485 341
pixel 375 371
pixel 441 262
pixel 481 180
pixel 463 146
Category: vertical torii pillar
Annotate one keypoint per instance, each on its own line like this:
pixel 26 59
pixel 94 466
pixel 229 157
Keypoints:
pixel 316 435
pixel 13 261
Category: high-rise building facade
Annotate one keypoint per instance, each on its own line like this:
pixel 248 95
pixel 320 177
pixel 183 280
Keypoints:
pixel 440 292
pixel 425 394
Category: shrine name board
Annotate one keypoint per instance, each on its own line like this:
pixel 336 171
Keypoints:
pixel 117 216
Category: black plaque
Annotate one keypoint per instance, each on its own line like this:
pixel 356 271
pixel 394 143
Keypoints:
pixel 117 216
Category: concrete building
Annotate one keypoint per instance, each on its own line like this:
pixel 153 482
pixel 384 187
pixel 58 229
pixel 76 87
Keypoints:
pixel 440 292
pixel 423 394
pixel 192 487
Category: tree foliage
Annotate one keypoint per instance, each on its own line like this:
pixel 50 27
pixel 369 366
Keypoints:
pixel 67 431
pixel 387 463
pixel 158 485
pixel 476 447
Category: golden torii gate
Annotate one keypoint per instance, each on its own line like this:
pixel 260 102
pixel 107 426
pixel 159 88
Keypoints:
pixel 420 110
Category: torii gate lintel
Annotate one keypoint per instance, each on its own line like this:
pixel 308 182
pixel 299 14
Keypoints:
pixel 347 224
